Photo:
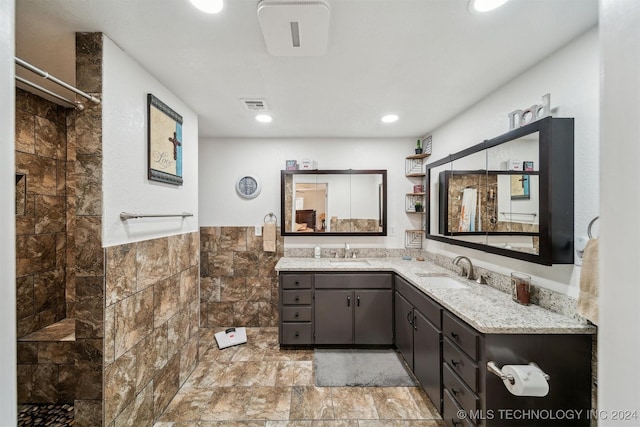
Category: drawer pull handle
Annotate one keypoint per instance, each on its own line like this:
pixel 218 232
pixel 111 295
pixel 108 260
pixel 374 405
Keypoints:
pixel 409 318
pixel 297 299
pixel 348 301
pixel 454 391
pixel 297 283
pixel 297 334
pixel 454 335
pixel 297 314
pixel 454 363
pixel 358 300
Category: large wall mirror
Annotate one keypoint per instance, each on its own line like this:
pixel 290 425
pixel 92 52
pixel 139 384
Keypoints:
pixel 333 202
pixel 511 195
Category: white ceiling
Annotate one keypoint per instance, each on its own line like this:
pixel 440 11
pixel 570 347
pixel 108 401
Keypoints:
pixel 426 60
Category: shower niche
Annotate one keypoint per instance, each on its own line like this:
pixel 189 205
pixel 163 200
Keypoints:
pixel 511 195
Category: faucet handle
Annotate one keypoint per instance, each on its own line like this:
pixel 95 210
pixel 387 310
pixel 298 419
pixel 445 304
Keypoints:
pixel 482 279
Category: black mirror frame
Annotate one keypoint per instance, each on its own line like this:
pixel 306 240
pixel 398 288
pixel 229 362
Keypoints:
pixel 556 171
pixel 382 204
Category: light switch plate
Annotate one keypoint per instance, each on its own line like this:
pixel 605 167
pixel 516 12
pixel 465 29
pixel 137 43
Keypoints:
pixel 258 231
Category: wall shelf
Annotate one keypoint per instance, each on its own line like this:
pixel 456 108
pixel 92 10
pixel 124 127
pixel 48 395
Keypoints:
pixel 413 239
pixel 415 168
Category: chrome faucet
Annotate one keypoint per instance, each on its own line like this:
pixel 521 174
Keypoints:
pixel 346 250
pixel 469 272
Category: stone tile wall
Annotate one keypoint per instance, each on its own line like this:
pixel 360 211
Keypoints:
pixel 43 156
pixel 151 329
pixel 238 281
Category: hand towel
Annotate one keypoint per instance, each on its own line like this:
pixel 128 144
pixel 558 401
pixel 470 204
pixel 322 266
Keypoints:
pixel 269 237
pixel 589 281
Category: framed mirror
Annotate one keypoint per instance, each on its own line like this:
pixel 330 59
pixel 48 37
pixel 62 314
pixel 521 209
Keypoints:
pixel 511 195
pixel 333 202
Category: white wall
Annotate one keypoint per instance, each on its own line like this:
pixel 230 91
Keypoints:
pixel 222 161
pixel 619 338
pixel 571 76
pixel 125 184
pixel 8 393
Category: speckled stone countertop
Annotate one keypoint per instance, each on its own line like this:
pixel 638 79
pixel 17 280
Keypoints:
pixel 486 309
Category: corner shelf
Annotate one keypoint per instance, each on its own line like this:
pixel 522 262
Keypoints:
pixel 413 239
pixel 414 167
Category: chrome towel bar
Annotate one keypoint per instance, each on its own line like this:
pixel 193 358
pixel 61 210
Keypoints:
pixel 124 216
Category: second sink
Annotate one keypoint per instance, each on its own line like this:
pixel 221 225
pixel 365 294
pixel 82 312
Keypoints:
pixel 445 282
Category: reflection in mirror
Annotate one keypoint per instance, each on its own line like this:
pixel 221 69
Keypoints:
pixel 334 202
pixel 516 202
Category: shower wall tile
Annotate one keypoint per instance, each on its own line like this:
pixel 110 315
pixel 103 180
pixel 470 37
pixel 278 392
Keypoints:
pixel 89 308
pixel 50 138
pixel 87 413
pixel 89 255
pixel 88 176
pixel 51 214
pixel 151 330
pixel 35 254
pixel 140 411
pixel 238 283
pixel 25 131
pixel 41 173
pixel 89 62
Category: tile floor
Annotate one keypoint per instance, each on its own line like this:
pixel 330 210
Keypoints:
pixel 260 385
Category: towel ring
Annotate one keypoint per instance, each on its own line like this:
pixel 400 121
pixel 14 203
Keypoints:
pixel 270 217
pixel 590 225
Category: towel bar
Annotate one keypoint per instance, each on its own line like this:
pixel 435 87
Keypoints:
pixel 127 215
pixel 591 225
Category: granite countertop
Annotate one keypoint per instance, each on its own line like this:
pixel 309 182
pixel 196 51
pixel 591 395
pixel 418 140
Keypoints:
pixel 488 310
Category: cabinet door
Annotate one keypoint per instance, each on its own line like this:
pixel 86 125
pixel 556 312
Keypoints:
pixel 334 317
pixel 373 317
pixel 426 357
pixel 404 328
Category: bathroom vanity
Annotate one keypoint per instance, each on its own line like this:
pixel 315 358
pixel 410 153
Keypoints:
pixel 446 335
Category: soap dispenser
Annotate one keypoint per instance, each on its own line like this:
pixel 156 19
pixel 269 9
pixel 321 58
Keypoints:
pixel 316 252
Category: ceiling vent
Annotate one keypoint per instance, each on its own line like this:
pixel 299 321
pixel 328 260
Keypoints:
pixel 294 28
pixel 255 104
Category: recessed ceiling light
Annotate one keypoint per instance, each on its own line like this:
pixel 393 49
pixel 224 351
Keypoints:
pixel 485 5
pixel 389 118
pixel 264 118
pixel 208 6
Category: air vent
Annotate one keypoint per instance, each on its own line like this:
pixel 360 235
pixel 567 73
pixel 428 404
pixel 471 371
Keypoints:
pixel 294 28
pixel 255 104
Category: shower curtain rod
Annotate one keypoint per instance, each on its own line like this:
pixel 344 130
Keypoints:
pixel 55 80
pixel 75 104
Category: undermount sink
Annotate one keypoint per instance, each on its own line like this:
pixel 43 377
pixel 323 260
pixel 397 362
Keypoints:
pixel 445 282
pixel 349 262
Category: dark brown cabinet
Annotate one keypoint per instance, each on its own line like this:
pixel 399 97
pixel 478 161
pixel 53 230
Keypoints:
pixel 296 309
pixel 336 308
pixel 353 309
pixel 418 337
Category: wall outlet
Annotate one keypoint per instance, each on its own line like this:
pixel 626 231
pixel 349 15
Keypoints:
pixel 392 231
pixel 258 231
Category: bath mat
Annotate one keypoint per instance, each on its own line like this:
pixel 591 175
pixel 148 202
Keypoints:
pixel 361 368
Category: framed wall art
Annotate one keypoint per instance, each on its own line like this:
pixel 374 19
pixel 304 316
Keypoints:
pixel 520 187
pixel 165 142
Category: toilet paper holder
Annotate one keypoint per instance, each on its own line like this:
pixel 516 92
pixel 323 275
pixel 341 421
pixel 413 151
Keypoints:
pixel 493 368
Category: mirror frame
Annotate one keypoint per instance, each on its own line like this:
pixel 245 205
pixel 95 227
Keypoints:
pixel 382 204
pixel 556 175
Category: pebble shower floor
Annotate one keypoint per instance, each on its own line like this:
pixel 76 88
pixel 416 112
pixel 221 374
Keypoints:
pixel 45 415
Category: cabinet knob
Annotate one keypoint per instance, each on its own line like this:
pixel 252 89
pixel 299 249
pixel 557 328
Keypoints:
pixel 454 335
pixel 297 334
pixel 454 391
pixel 296 314
pixel 297 299
pixel 454 363
pixel 297 283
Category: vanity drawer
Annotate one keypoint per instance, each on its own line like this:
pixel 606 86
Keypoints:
pixel 465 397
pixel 296 333
pixel 465 337
pixel 429 308
pixel 461 364
pixel 296 281
pixel 296 314
pixel 353 281
pixel 450 414
pixel 294 297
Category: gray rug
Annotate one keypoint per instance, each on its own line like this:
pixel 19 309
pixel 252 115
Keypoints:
pixel 365 368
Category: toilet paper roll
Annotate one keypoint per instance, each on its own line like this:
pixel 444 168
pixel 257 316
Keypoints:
pixel 528 380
